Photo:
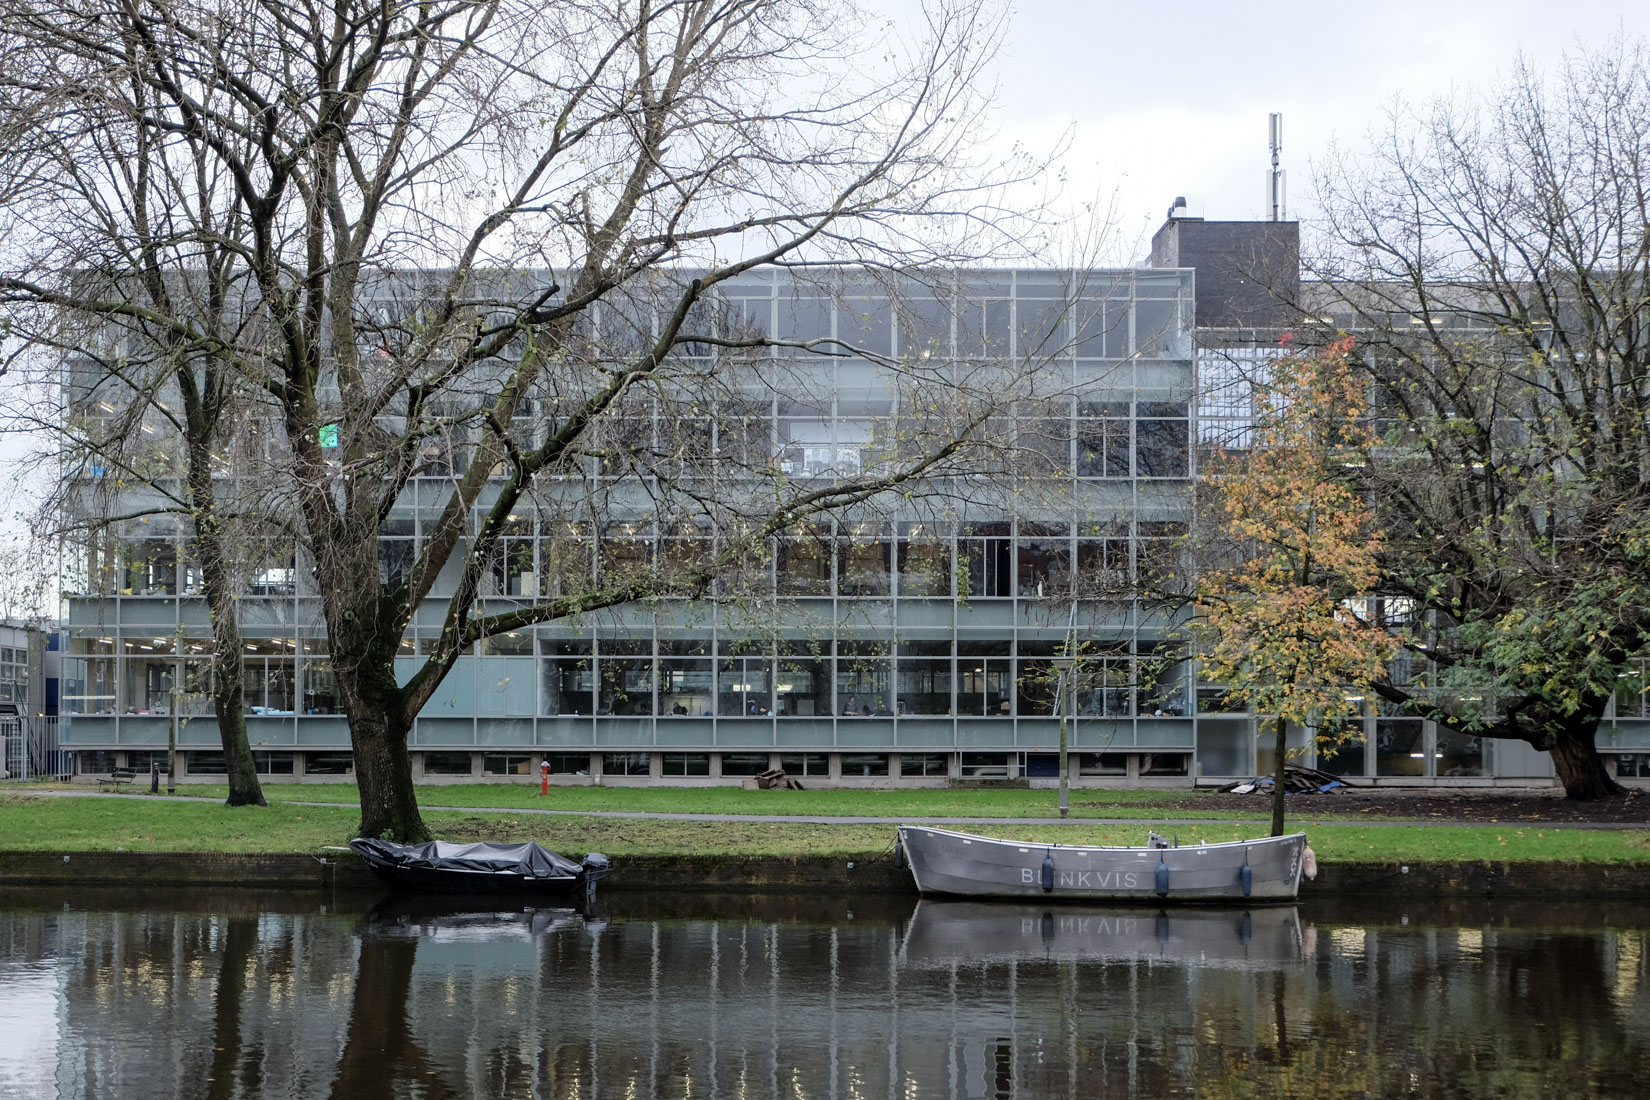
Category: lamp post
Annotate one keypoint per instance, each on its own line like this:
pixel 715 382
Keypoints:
pixel 1065 665
pixel 177 705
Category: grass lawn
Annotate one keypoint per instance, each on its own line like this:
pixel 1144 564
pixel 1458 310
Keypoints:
pixel 106 823
pixel 975 802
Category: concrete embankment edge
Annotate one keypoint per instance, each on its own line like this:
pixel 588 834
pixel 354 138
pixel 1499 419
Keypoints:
pixel 772 874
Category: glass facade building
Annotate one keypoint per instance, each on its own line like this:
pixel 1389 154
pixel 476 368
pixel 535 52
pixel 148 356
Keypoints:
pixel 878 648
pixel 891 646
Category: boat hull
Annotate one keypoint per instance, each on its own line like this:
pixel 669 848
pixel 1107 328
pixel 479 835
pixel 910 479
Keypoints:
pixel 961 865
pixel 477 869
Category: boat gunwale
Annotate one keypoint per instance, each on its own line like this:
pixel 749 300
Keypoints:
pixel 1101 847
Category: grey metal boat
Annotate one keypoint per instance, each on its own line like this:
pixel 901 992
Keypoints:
pixel 945 862
pixel 945 933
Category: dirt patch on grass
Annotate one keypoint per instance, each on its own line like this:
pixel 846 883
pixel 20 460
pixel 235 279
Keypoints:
pixel 1460 805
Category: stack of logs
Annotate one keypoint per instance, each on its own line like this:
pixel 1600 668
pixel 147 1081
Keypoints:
pixel 771 780
pixel 1296 780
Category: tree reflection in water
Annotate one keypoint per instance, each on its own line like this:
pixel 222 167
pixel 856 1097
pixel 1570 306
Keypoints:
pixel 802 999
pixel 381 1058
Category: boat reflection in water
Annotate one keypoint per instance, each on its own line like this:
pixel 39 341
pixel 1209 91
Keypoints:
pixel 457 919
pixel 944 933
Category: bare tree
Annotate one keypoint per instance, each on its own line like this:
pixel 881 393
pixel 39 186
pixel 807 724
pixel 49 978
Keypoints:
pixel 143 442
pixel 497 246
pixel 1492 257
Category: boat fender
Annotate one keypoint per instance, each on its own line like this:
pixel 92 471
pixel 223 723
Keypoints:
pixel 1309 864
pixel 1162 878
pixel 1246 875
pixel 1048 872
pixel 899 855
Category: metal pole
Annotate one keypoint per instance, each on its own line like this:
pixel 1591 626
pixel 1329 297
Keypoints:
pixel 1062 686
pixel 172 727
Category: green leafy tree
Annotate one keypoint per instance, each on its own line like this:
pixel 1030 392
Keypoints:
pixel 1493 257
pixel 1275 622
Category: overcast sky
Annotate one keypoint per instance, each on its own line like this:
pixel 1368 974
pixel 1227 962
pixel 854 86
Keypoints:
pixel 1172 99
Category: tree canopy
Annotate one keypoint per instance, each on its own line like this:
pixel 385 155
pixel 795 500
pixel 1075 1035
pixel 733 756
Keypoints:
pixel 1281 622
pixel 1492 254
pixel 499 243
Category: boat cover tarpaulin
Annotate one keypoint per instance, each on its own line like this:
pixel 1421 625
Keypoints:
pixel 527 860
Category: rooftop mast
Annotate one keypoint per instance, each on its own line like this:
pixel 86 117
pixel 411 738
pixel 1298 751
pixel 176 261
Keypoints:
pixel 1275 178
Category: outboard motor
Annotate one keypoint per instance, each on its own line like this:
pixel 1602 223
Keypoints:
pixel 595 866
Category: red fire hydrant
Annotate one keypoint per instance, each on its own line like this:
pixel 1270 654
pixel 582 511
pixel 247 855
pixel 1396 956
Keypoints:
pixel 544 778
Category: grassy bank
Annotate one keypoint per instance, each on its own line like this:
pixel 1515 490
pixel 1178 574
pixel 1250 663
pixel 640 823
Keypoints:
pixel 33 823
pixel 972 802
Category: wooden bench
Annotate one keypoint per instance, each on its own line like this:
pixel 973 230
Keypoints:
pixel 116 777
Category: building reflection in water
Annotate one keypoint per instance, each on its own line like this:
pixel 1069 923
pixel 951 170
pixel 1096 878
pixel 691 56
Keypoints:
pixel 231 997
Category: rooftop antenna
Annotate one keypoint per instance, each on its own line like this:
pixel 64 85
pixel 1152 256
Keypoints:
pixel 1275 183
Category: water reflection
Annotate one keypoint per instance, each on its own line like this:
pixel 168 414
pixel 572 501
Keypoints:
pixel 231 995
pixel 969 933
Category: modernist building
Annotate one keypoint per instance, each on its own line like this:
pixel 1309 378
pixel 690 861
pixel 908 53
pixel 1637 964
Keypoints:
pixel 903 648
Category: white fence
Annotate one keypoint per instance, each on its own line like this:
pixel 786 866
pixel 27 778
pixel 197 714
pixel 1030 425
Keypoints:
pixel 29 749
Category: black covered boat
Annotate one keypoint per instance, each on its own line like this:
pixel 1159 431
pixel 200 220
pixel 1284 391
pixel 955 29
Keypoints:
pixel 444 867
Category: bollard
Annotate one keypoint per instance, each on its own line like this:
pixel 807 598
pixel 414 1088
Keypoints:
pixel 154 777
pixel 544 778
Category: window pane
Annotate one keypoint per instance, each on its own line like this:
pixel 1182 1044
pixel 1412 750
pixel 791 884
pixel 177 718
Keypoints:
pixel 925 678
pixel 805 763
pixel 1160 448
pixel 744 763
pixel 1398 747
pixel 497 763
pixel 924 562
pixel 626 763
pixel 864 764
pixel 685 763
pixel 862 561
pixel 802 686
pixel 568 763
pixel 923 763
pixel 446 763
pixel 863 683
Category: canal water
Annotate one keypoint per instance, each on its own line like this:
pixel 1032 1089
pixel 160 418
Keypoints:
pixel 236 994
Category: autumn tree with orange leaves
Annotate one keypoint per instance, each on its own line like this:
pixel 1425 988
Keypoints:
pixel 1275 621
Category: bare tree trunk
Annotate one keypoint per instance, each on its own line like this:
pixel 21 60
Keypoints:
pixel 378 733
pixel 1580 768
pixel 1280 748
pixel 228 691
pixel 383 772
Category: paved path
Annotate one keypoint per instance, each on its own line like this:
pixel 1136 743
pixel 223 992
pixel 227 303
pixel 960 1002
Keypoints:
pixel 1297 819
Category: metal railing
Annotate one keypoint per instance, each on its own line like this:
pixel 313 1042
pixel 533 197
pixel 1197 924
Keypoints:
pixel 29 749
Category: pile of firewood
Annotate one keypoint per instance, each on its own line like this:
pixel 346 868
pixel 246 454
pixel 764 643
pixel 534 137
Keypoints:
pixel 1296 780
pixel 771 780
